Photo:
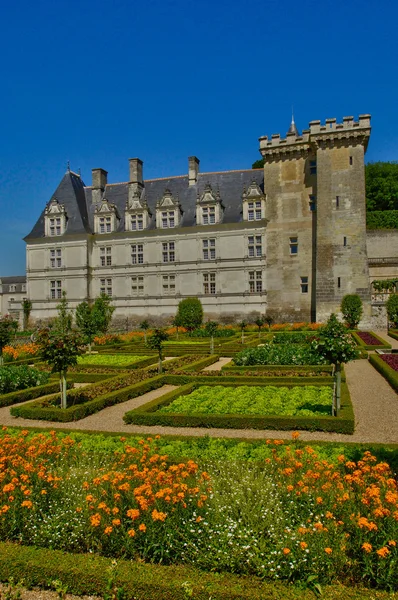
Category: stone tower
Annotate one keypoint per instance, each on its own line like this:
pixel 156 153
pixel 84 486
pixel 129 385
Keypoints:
pixel 316 232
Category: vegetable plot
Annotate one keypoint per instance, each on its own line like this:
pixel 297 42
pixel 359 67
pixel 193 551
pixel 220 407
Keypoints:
pixel 113 360
pixel 254 400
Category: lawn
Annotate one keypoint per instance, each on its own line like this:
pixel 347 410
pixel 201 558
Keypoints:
pixel 112 360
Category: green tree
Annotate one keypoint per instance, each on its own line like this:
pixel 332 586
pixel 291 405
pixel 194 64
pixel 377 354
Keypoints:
pixel 352 309
pixel 86 323
pixel 381 186
pixel 258 164
pixel 177 323
pixel 335 345
pixel 155 342
pixel 392 309
pixel 242 326
pixel 102 313
pixel 260 321
pixel 269 320
pixel 190 313
pixel 144 325
pixel 63 323
pixel 6 332
pixel 26 309
pixel 211 328
pixel 60 351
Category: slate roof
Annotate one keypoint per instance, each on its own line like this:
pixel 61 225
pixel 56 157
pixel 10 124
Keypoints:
pixel 17 280
pixel 77 198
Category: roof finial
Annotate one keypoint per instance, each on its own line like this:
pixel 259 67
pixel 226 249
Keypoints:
pixel 68 166
pixel 293 128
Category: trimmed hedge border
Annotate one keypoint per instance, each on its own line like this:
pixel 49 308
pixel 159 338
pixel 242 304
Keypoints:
pixel 86 574
pixel 393 334
pixel 88 377
pixel 31 393
pixel 384 369
pixel 200 364
pixel 147 415
pixel 22 361
pixel 139 364
pixel 362 345
pixel 43 410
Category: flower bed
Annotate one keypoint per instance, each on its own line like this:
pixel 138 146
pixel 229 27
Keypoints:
pixel 369 340
pixel 253 400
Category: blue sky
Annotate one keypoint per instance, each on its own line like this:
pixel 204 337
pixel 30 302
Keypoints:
pixel 99 82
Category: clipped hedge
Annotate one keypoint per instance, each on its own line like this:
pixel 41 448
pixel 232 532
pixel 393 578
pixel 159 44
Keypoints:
pixel 31 393
pixel 87 574
pixel 200 364
pixel 282 370
pixel 89 377
pixel 393 333
pixel 384 369
pixel 382 219
pixel 362 345
pixel 147 415
pixel 47 410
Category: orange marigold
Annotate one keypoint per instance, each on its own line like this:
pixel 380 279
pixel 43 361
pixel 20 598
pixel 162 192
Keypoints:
pixel 158 516
pixel 133 513
pixel 142 527
pixel 286 551
pixel 328 550
pixel 367 547
pixel 108 530
pixel 383 552
pixel 131 532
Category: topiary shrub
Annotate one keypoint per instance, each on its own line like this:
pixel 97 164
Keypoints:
pixel 392 309
pixel 352 309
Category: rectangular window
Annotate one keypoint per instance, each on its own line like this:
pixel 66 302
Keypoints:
pixel 106 256
pixel 293 242
pixel 169 285
pixel 105 224
pixel 312 167
pixel 168 219
pixel 254 211
pixel 137 222
pixel 209 249
pixel 304 285
pixel 209 283
pixel 55 290
pixel 55 226
pixel 137 285
pixel 312 203
pixel 351 160
pixel 337 201
pixel 255 282
pixel 55 258
pixel 209 215
pixel 168 252
pixel 106 287
pixel 24 288
pixel 339 282
pixel 137 254
pixel 344 241
pixel 13 288
pixel 255 247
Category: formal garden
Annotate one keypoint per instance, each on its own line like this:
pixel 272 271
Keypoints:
pixel 147 516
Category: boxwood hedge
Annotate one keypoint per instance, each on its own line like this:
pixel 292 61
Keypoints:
pixel 384 369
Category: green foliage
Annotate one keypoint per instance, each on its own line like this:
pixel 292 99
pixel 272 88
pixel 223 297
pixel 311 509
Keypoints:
pixel 113 360
pixel 384 369
pixel 218 333
pixel 352 309
pixel 334 343
pixel 381 186
pixel 144 325
pixel 211 328
pixel 15 378
pixel 156 340
pixel 63 323
pixel 384 285
pixel 253 400
pixel 382 219
pixel 29 394
pixel 392 309
pixel 278 354
pixel 86 321
pixel 102 312
pixel 295 337
pixel 190 313
pixel 26 309
pixel 7 325
pixel 258 164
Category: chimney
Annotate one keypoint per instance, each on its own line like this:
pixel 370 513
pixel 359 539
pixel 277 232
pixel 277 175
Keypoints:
pixel 136 171
pixel 100 179
pixel 193 169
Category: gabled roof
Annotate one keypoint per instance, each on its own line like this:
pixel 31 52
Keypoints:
pixel 13 279
pixel 80 209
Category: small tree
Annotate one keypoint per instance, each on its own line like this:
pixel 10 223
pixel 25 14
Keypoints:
pixel 336 345
pixel 102 313
pixel 259 322
pixel 177 323
pixel 352 309
pixel 211 328
pixel 63 323
pixel 242 325
pixel 268 320
pixel 27 309
pixel 60 351
pixel 6 332
pixel 144 325
pixel 86 323
pixel 190 313
pixel 392 309
pixel 155 342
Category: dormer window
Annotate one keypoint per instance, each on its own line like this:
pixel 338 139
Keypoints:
pixel 253 203
pixel 168 211
pixel 137 215
pixel 55 219
pixel 209 208
pixel 137 222
pixel 105 217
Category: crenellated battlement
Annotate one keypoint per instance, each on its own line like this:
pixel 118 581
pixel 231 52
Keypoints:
pixel 318 132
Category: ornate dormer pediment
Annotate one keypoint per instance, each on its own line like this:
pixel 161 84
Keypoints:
pixel 106 217
pixel 55 218
pixel 168 211
pixel 137 214
pixel 253 201
pixel 209 207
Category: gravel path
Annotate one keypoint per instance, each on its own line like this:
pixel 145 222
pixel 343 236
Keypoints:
pixel 218 365
pixel 375 406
